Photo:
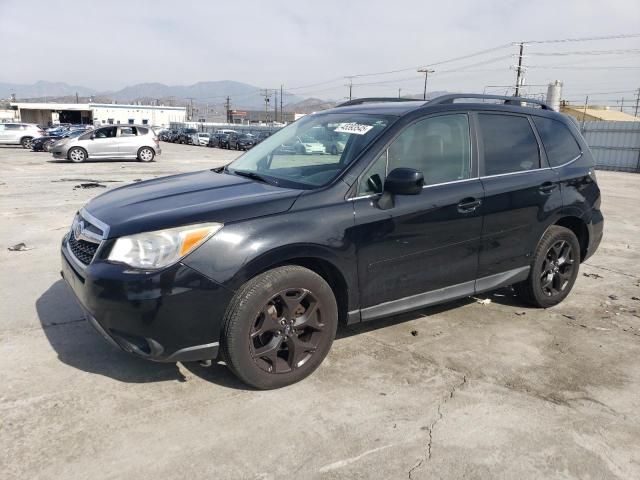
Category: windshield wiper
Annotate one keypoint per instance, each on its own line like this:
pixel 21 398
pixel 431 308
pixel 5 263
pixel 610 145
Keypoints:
pixel 251 175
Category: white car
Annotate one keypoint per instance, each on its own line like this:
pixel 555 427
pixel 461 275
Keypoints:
pixel 201 139
pixel 19 133
pixel 307 144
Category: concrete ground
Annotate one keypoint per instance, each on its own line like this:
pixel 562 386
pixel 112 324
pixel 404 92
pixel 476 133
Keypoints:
pixel 460 390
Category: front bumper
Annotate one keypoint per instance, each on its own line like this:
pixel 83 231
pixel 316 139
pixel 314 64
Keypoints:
pixel 167 316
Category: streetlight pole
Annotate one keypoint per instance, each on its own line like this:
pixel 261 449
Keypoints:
pixel 426 72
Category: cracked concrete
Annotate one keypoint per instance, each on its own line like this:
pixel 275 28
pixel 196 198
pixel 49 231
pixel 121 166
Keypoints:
pixel 478 391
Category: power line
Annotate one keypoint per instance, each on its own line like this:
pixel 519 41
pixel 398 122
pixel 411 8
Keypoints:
pixel 586 39
pixel 585 52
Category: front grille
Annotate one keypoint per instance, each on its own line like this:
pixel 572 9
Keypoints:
pixel 84 251
pixel 85 238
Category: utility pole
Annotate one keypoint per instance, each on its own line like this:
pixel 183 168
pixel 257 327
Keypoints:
pixel 281 110
pixel 228 108
pixel 584 112
pixel 350 85
pixel 77 98
pixel 621 102
pixel 266 96
pixel 426 72
pixel 275 104
pixel 399 92
pixel 637 102
pixel 519 70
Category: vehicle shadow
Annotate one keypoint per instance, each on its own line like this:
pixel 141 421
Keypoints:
pixel 78 345
pixel 101 160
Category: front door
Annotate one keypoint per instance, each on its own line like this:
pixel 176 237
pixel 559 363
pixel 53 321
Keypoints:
pixel 425 247
pixel 103 143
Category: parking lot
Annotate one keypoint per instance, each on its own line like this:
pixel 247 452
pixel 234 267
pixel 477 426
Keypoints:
pixel 470 389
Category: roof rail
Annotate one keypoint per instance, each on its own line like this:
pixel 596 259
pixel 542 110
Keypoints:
pixel 360 101
pixel 507 100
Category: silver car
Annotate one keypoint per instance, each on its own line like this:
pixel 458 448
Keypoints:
pixel 112 142
pixel 19 133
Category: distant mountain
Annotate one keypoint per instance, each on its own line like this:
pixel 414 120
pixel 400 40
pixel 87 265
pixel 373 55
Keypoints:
pixel 42 89
pixel 242 95
pixel 309 105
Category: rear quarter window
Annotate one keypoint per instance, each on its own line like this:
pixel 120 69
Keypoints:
pixel 509 144
pixel 559 143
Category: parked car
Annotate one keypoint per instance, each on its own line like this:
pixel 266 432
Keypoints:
pixel 46 142
pixel 112 142
pixel 214 140
pixel 19 133
pixel 223 140
pixel 186 136
pixel 303 145
pixel 256 262
pixel 201 138
pixel 241 141
pixel 260 136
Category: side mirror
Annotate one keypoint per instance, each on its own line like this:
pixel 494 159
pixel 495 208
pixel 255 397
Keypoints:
pixel 404 181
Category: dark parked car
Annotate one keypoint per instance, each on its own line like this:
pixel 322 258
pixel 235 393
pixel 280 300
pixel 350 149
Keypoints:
pixel 44 144
pixel 223 140
pixel 241 141
pixel 214 140
pixel 257 262
pixel 186 136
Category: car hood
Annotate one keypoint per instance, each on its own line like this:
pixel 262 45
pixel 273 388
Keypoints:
pixel 189 198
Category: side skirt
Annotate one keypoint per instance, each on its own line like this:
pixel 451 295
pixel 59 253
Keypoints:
pixel 440 295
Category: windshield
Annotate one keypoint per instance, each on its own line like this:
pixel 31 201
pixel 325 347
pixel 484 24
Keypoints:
pixel 306 155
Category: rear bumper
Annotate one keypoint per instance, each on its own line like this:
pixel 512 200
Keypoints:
pixel 168 316
pixel 596 231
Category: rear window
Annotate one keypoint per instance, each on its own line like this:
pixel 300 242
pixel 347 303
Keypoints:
pixel 142 130
pixel 509 144
pixel 559 143
pixel 128 131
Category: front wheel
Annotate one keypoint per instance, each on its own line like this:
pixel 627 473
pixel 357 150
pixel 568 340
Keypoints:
pixel 279 327
pixel 145 154
pixel 554 269
pixel 77 155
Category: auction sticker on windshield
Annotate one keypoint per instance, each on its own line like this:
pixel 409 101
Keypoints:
pixel 355 128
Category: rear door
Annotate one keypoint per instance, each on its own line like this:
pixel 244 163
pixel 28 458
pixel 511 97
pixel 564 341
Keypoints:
pixel 128 141
pixel 426 243
pixel 521 195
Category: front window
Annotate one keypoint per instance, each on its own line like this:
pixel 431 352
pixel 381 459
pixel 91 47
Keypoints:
pixel 304 154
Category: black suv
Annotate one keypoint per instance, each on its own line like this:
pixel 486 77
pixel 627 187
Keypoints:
pixel 257 262
pixel 241 141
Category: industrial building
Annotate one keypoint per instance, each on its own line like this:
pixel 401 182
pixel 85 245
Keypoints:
pixel 97 113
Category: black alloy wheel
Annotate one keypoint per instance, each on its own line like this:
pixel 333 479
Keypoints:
pixel 279 327
pixel 287 331
pixel 554 268
pixel 557 268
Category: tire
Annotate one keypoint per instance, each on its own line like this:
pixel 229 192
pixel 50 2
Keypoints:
pixel 47 146
pixel 77 155
pixel 146 154
pixel 26 142
pixel 253 324
pixel 554 269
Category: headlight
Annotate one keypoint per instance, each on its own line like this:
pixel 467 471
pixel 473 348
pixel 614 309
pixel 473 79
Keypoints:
pixel 153 250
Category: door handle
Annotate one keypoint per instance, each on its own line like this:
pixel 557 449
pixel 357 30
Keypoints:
pixel 468 205
pixel 547 187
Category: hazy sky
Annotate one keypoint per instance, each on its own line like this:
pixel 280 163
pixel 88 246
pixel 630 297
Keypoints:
pixel 111 44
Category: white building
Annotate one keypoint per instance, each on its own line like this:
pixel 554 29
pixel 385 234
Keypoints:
pixel 98 113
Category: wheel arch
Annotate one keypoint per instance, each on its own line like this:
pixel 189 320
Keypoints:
pixel 580 230
pixel 317 262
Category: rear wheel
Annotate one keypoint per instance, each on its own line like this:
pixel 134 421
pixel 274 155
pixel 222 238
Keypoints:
pixel 77 155
pixel 26 142
pixel 279 327
pixel 554 269
pixel 47 146
pixel 145 154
